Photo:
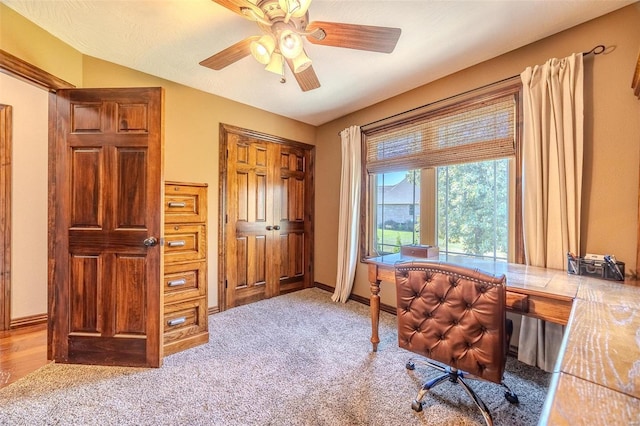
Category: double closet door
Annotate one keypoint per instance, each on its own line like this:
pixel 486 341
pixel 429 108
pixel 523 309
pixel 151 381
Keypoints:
pixel 268 236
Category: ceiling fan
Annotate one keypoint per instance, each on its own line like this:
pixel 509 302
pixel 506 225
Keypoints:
pixel 285 23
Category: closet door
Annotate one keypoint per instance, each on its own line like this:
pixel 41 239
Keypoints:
pixel 251 260
pixel 268 217
pixel 292 224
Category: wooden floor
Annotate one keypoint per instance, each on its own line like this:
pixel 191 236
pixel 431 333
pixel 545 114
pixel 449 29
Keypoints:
pixel 22 351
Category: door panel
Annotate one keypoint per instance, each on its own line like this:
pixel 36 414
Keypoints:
pixel 131 206
pixel 130 295
pixel 85 186
pixel 268 217
pixel 108 191
pixel 85 297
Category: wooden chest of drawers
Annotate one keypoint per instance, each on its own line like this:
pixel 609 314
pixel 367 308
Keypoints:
pixel 185 266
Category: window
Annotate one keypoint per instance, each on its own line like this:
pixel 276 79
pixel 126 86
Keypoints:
pixel 446 175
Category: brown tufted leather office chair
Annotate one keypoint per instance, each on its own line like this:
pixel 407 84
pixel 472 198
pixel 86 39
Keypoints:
pixel 454 316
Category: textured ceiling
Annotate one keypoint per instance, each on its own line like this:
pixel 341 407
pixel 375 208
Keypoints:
pixel 168 38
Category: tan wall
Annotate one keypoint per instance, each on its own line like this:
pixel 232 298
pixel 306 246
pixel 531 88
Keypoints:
pixel 31 43
pixel 612 137
pixel 29 204
pixel 25 40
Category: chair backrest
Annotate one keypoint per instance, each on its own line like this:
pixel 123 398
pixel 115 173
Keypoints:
pixel 453 315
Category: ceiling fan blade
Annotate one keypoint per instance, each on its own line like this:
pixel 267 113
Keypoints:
pixel 307 79
pixel 229 55
pixel 243 8
pixel 361 37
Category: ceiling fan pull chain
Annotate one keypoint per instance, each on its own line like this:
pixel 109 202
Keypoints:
pixel 283 80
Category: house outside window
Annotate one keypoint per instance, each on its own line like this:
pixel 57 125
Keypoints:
pixel 397 215
pixel 447 176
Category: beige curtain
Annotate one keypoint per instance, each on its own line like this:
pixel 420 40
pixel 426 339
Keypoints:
pixel 348 220
pixel 552 155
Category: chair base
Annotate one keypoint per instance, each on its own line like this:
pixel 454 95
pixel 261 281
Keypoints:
pixel 457 377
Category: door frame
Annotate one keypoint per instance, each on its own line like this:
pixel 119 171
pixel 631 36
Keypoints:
pixel 224 130
pixel 18 68
pixel 6 125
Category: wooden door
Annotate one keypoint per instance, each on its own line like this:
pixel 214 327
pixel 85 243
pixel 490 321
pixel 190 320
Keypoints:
pixel 107 203
pixel 268 216
pixel 250 236
pixel 292 218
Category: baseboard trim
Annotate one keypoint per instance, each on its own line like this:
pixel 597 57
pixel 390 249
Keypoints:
pixel 365 301
pixel 28 321
pixel 356 298
pixel 323 287
pixel 213 310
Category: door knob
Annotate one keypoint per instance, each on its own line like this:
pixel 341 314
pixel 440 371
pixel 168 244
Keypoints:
pixel 269 227
pixel 277 227
pixel 150 242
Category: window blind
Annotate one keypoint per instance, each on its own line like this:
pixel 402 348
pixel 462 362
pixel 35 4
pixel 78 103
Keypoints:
pixel 473 129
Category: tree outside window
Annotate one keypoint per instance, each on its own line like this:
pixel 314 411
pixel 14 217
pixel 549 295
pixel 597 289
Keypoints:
pixel 472 209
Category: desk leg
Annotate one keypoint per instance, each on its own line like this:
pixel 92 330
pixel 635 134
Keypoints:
pixel 374 305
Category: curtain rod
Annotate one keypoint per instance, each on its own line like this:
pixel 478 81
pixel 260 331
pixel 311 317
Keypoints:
pixel 597 50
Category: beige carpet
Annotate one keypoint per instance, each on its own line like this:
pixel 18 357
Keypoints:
pixel 297 359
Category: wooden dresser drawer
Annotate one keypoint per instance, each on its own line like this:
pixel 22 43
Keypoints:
pixel 185 203
pixel 517 302
pixel 185 325
pixel 184 281
pixel 184 243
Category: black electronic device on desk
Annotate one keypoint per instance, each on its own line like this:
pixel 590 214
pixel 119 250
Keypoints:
pixel 597 266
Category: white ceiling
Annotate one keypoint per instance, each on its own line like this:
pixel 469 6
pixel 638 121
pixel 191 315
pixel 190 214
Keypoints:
pixel 168 39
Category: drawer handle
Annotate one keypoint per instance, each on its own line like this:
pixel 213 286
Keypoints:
pixel 176 321
pixel 176 243
pixel 176 283
pixel 176 204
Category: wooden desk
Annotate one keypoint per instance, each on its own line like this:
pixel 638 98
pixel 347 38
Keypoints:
pixel 596 380
pixel 537 292
pixel 598 366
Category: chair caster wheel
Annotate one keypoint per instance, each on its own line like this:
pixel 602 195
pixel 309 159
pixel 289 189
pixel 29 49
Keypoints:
pixel 417 406
pixel 410 365
pixel 511 397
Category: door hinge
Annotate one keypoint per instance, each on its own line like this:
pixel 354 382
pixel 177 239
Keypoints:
pixel 226 218
pixel 225 284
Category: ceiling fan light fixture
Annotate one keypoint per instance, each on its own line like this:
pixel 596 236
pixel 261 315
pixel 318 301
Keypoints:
pixel 262 49
pixel 290 44
pixel 276 64
pixel 301 62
